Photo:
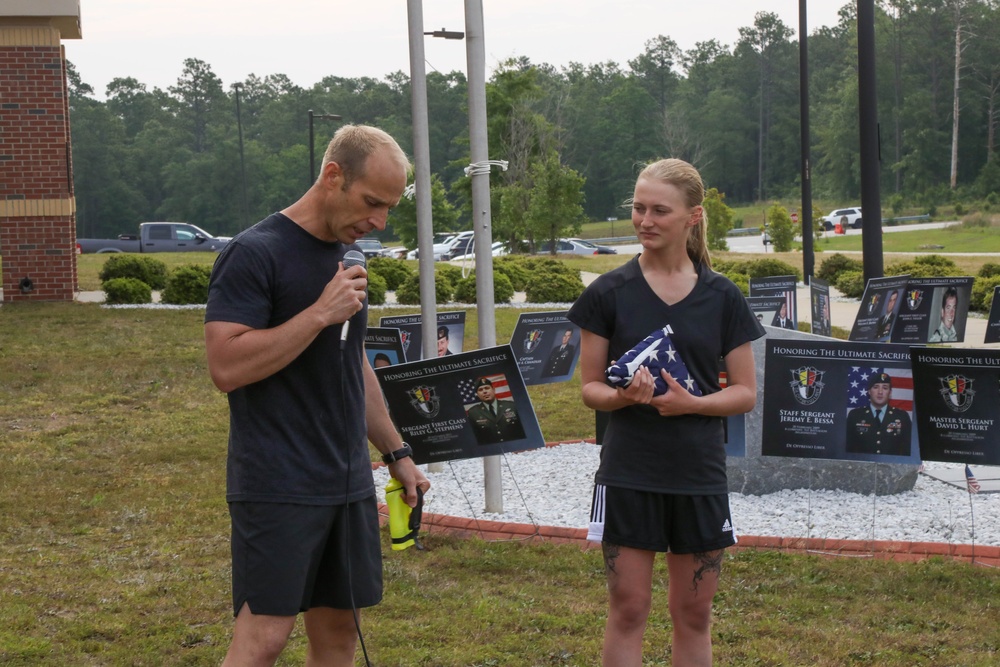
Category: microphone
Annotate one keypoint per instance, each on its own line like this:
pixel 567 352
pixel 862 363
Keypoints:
pixel 351 258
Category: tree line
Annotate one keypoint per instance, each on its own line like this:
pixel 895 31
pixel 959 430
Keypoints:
pixel 574 137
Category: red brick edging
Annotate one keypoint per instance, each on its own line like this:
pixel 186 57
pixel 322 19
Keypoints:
pixel 894 550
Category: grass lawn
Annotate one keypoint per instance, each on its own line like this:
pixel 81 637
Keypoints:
pixel 956 238
pixel 114 538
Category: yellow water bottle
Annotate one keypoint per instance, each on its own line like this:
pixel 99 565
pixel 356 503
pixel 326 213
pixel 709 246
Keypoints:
pixel 404 521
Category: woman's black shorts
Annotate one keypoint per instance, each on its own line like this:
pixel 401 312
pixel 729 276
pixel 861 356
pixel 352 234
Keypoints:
pixel 660 521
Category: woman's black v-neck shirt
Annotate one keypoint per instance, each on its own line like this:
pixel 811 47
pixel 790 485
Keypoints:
pixel 642 450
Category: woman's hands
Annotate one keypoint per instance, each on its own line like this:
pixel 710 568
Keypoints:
pixel 677 401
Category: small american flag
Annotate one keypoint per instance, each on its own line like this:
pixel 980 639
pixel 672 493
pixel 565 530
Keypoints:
pixel 970 480
pixel 902 386
pixel 467 389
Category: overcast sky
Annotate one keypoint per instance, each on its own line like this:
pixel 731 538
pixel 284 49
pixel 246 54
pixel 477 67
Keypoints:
pixel 310 39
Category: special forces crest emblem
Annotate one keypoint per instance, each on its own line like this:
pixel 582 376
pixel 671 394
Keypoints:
pixel 806 384
pixel 532 339
pixel 425 401
pixel 872 305
pixel 957 392
pixel 914 297
pixel 404 336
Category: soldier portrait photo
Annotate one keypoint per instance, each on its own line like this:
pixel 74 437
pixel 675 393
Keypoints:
pixel 560 361
pixel 878 427
pixel 493 416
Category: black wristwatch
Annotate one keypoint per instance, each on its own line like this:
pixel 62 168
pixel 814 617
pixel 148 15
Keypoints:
pixel 400 453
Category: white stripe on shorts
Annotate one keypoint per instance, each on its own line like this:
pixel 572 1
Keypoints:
pixel 595 531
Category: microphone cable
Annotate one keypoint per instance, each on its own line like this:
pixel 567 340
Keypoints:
pixel 351 258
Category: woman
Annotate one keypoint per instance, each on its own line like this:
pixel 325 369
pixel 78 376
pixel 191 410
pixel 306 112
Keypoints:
pixel 661 485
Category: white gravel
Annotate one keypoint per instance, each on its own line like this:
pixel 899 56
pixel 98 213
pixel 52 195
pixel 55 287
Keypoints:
pixel 552 487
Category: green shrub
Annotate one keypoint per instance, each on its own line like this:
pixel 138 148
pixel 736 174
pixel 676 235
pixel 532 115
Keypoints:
pixel 928 266
pixel 851 283
pixel 895 202
pixel 126 290
pixel 764 268
pixel 376 289
pixel 449 272
pixel 831 268
pixel 757 268
pixel 988 301
pixel 780 228
pixel 553 286
pixel 982 288
pixel 741 280
pixel 503 291
pixel 988 270
pixel 408 293
pixel 515 268
pixel 393 271
pixel 149 270
pixel 939 262
pixel 187 283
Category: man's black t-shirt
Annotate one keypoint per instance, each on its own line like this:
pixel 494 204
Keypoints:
pixel 642 450
pixel 290 434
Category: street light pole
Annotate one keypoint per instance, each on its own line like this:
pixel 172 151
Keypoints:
pixel 808 251
pixel 475 49
pixel 871 203
pixel 243 167
pixel 312 158
pixel 422 178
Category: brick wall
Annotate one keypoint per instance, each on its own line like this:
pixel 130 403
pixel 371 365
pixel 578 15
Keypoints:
pixel 37 207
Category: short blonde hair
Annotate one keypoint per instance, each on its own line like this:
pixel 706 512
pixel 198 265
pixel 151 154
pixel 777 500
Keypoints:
pixel 352 145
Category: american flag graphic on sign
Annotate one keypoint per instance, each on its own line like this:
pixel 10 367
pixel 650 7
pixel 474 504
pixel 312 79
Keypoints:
pixel 467 389
pixel 902 386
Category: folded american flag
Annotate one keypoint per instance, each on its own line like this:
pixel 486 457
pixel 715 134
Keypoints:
pixel 655 352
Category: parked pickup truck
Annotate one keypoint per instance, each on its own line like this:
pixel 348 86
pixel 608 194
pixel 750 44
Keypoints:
pixel 157 237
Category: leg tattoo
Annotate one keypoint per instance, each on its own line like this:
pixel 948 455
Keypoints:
pixel 706 563
pixel 611 553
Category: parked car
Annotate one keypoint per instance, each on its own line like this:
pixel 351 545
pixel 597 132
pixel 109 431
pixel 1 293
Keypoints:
pixel 157 237
pixel 575 247
pixel 601 249
pixel 443 249
pixel 461 245
pixel 848 217
pixel 395 252
pixel 370 247
pixel 497 249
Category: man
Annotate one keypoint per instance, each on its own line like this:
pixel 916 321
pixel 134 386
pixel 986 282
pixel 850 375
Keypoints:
pixel 493 420
pixel 945 332
pixel 304 402
pixel 443 340
pixel 781 318
pixel 885 322
pixel 878 428
pixel 561 358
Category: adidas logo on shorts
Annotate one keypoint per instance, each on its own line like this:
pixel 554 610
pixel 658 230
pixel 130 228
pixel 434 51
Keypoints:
pixel 727 527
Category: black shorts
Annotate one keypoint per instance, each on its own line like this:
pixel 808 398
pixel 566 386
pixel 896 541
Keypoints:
pixel 661 521
pixel 289 558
